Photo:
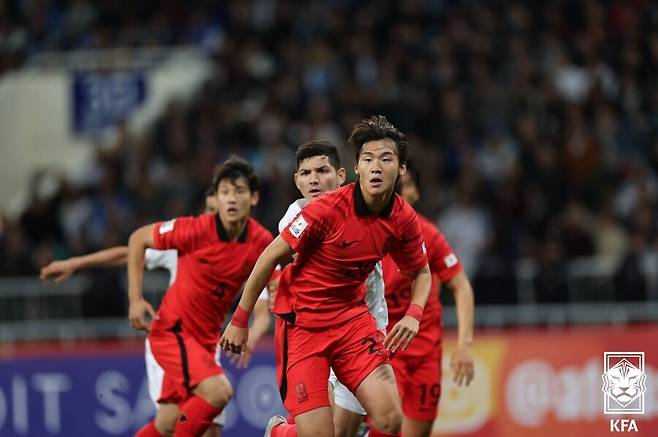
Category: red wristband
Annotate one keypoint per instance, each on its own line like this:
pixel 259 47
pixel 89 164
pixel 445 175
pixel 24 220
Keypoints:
pixel 240 318
pixel 415 311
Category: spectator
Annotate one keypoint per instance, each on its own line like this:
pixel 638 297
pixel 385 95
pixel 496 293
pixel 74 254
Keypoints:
pixel 552 104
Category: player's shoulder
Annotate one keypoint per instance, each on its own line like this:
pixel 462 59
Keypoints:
pixel 205 219
pixel 333 202
pixel 337 196
pixel 187 221
pixel 402 210
pixel 431 232
pixel 259 232
pixel 296 206
pixel 292 211
pixel 427 225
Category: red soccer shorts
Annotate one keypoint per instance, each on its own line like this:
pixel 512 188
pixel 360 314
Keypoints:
pixel 184 360
pixel 303 357
pixel 419 383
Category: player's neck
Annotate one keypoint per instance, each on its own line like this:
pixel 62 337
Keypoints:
pixel 234 229
pixel 376 203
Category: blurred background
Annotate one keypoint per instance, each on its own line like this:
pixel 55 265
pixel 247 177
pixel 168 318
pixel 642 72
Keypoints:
pixel 534 125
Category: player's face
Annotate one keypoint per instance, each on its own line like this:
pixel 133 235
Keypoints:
pixel 379 166
pixel 235 199
pixel 408 189
pixel 317 176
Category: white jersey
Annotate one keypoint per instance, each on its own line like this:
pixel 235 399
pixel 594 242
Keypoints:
pixel 162 259
pixel 375 297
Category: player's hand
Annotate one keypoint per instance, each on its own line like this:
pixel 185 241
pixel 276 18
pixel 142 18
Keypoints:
pixel 234 339
pixel 137 312
pixel 401 334
pixel 461 364
pixel 57 271
pixel 242 361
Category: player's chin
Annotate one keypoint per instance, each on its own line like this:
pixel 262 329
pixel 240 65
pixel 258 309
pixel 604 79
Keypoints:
pixel 379 189
pixel 234 217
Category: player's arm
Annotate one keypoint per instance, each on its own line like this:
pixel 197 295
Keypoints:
pixel 60 271
pixel 139 241
pixel 461 361
pixel 262 317
pixel 236 334
pixel 406 329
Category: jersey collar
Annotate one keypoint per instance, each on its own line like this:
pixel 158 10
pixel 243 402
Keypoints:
pixel 223 235
pixel 360 203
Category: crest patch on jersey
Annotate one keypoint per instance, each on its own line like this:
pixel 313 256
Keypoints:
pixel 450 260
pixel 167 226
pixel 298 226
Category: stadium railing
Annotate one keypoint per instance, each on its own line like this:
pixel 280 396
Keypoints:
pixel 31 310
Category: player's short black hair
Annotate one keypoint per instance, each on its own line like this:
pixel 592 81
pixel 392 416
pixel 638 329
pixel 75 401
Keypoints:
pixel 376 128
pixel 210 191
pixel 318 148
pixel 234 168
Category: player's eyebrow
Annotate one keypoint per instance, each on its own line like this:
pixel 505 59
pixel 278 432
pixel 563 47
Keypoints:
pixel 238 184
pixel 380 154
pixel 308 170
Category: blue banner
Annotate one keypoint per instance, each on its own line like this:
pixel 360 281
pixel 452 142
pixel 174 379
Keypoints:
pixel 106 394
pixel 101 99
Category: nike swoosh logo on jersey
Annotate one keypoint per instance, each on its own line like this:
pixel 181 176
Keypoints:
pixel 347 243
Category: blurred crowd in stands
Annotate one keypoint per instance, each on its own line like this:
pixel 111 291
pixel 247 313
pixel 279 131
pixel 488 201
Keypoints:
pixel 534 123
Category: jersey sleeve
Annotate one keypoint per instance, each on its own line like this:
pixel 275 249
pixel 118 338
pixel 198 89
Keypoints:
pixel 441 257
pixel 409 252
pixel 185 234
pixel 309 227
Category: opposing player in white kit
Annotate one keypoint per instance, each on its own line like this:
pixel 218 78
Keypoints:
pixel 319 171
pixel 59 271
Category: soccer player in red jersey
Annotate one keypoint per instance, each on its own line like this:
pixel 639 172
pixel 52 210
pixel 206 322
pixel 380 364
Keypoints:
pixel 418 368
pixel 216 253
pixel 318 172
pixel 59 271
pixel 338 239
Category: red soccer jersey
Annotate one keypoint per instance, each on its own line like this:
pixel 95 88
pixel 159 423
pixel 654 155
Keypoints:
pixel 444 266
pixel 211 271
pixel 338 242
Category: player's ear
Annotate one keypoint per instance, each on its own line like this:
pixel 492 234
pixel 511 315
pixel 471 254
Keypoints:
pixel 255 197
pixel 403 170
pixel 341 176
